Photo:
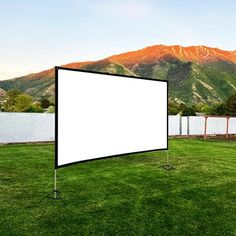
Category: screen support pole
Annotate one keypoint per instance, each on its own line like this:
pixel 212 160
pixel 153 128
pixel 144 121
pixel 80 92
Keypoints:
pixel 55 194
pixel 55 183
pixel 168 166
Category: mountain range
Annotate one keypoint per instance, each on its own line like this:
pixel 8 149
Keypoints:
pixel 196 74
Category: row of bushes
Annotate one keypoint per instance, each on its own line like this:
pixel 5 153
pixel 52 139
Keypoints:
pixel 15 101
pixel 225 108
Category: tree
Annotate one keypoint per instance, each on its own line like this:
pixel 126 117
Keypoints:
pixel 181 106
pixel 220 109
pixel 208 110
pixel 45 103
pixel 173 111
pixel 35 108
pixel 23 102
pixel 9 100
pixel 51 109
pixel 197 107
pixel 174 108
pixel 188 111
pixel 231 105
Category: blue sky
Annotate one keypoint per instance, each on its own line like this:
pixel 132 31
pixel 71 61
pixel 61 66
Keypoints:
pixel 36 35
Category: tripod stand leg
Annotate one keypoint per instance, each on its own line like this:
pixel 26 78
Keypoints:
pixel 168 166
pixel 55 194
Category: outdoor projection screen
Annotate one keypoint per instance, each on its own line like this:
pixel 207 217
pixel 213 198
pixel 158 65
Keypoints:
pixel 100 115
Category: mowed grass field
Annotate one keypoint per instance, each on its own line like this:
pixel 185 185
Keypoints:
pixel 130 195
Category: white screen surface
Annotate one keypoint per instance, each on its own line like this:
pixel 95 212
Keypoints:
pixel 100 115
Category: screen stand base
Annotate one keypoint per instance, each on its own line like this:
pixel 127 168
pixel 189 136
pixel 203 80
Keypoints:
pixel 168 166
pixel 55 194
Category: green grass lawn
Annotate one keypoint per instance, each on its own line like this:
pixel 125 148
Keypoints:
pixel 130 195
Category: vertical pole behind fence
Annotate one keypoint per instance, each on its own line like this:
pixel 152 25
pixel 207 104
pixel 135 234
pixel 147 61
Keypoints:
pixel 205 128
pixel 180 125
pixel 227 127
pixel 188 127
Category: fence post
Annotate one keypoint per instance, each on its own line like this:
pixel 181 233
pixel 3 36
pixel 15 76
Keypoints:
pixel 188 125
pixel 205 128
pixel 180 125
pixel 227 127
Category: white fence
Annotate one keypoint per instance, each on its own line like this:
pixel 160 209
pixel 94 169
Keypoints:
pixel 197 125
pixel 38 127
pixel 26 127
